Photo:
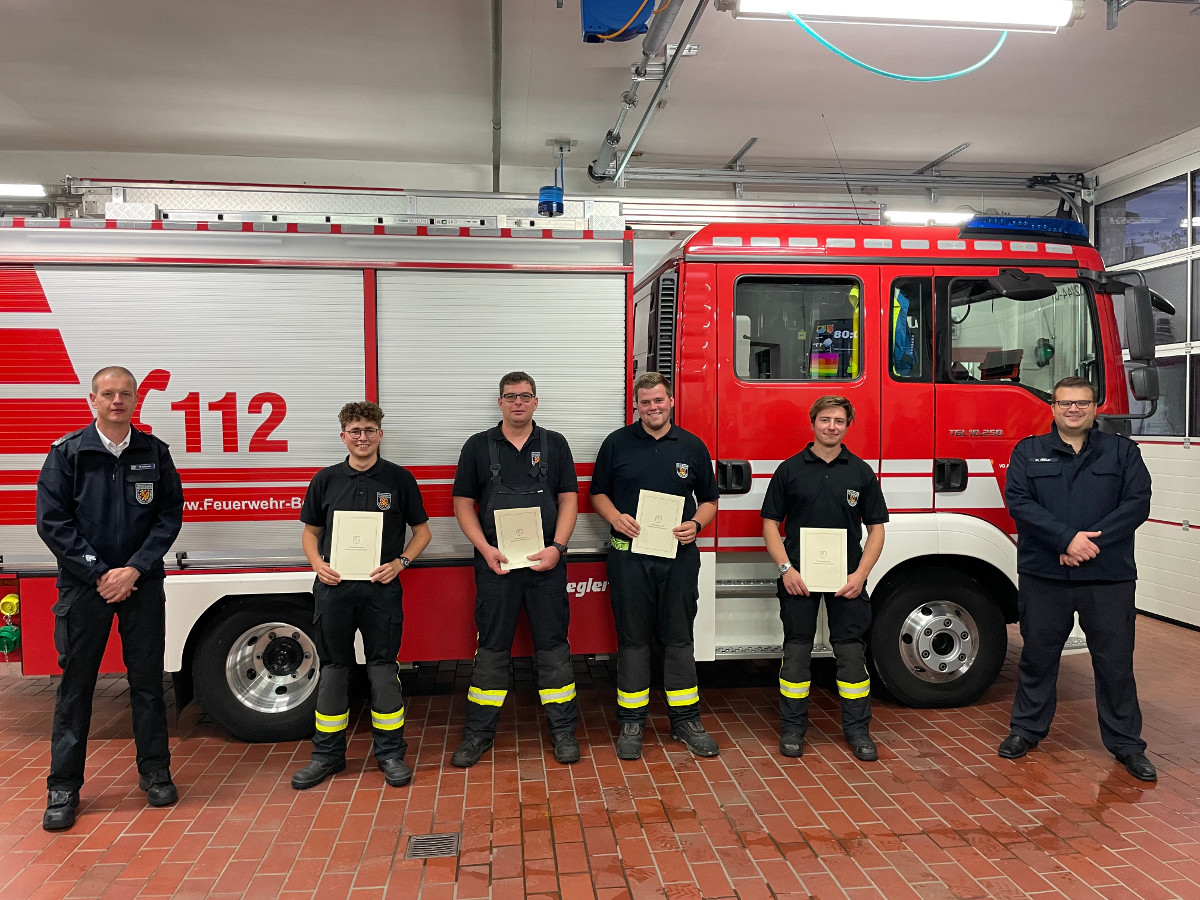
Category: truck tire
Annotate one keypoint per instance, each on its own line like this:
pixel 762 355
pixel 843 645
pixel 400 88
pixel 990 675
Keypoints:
pixel 256 671
pixel 937 639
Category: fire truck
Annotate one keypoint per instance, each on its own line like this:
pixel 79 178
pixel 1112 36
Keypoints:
pixel 248 333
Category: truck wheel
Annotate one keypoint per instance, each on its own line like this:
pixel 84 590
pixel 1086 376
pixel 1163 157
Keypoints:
pixel 938 640
pixel 256 672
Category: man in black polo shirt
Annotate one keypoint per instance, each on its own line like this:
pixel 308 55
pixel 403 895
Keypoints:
pixel 655 598
pixel 363 482
pixel 825 486
pixel 518 464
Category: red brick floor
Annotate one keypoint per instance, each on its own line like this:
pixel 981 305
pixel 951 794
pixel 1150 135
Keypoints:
pixel 939 817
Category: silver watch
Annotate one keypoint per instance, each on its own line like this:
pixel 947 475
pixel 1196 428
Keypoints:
pixel 783 567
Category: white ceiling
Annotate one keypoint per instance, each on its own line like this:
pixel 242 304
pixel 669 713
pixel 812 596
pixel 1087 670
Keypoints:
pixel 410 80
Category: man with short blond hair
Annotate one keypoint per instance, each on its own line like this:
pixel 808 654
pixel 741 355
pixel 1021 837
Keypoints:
pixel 654 598
pixel 825 486
pixel 1078 496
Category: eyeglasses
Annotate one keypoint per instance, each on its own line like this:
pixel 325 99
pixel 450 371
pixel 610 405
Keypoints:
pixel 513 398
pixel 1067 404
pixel 369 433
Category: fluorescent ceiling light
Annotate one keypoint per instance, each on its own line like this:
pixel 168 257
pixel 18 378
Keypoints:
pixel 906 217
pixel 1007 15
pixel 22 190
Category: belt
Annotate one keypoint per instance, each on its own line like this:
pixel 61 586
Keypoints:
pixel 619 543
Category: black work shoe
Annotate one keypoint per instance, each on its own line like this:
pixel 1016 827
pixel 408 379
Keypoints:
pixel 316 772
pixel 864 748
pixel 1014 747
pixel 395 771
pixel 159 788
pixel 629 741
pixel 469 751
pixel 566 748
pixel 1138 766
pixel 696 738
pixel 792 745
pixel 60 810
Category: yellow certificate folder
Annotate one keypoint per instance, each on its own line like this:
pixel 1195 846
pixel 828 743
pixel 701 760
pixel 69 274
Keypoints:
pixel 518 534
pixel 658 515
pixel 356 544
pixel 823 559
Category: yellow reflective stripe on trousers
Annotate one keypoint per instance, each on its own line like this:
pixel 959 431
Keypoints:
pixel 333 723
pixel 558 695
pixel 685 697
pixel 794 690
pixel 486 698
pixel 854 691
pixel 388 721
pixel 633 699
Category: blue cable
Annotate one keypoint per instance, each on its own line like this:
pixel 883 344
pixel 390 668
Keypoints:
pixel 923 78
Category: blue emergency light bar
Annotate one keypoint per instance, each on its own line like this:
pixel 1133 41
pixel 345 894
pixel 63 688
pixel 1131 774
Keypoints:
pixel 1068 231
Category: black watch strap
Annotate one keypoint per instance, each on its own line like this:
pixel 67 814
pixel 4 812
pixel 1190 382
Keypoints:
pixel 561 548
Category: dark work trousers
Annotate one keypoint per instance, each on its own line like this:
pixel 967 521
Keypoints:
pixel 83 620
pixel 849 620
pixel 498 601
pixel 1047 608
pixel 377 611
pixel 655 599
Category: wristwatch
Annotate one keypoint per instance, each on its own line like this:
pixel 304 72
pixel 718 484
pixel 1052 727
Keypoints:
pixel 783 567
pixel 697 524
pixel 561 548
pixel 405 562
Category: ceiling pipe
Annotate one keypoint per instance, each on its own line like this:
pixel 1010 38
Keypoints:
pixel 497 58
pixel 662 86
pixel 1051 183
pixel 652 45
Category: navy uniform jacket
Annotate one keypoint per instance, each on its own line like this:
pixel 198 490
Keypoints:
pixel 97 512
pixel 1054 493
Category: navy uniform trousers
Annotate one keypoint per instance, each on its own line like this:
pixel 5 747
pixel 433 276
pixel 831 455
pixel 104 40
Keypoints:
pixel 1047 608
pixel 83 620
pixel 377 611
pixel 849 619
pixel 655 599
pixel 498 602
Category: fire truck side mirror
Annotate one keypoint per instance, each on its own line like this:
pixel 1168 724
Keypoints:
pixel 1139 323
pixel 1143 383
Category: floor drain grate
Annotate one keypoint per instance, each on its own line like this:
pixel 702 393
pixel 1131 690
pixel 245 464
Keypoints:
pixel 427 846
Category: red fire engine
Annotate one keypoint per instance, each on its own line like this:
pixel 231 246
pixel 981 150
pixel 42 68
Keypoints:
pixel 247 337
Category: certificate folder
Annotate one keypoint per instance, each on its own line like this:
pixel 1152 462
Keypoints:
pixel 823 559
pixel 356 543
pixel 519 534
pixel 658 515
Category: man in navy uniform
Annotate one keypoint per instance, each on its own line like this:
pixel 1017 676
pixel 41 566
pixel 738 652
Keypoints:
pixel 518 464
pixel 654 598
pixel 825 486
pixel 363 482
pixel 109 506
pixel 1077 495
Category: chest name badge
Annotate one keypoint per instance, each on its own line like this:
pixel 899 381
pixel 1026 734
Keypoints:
pixel 383 500
pixel 852 498
pixel 681 469
pixel 143 492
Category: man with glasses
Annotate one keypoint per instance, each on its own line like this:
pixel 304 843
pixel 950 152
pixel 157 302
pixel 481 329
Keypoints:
pixel 1077 495
pixel 363 482
pixel 518 464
